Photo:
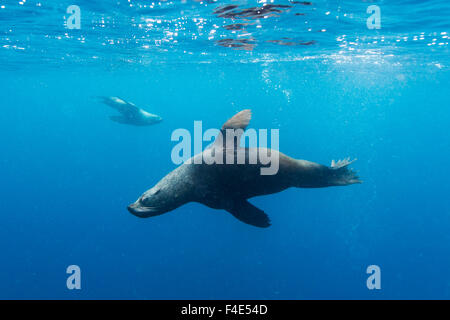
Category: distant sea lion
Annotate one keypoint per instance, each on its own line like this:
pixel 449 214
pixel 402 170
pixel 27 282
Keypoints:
pixel 228 186
pixel 130 113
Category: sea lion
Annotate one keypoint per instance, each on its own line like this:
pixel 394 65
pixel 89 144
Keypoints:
pixel 130 113
pixel 228 186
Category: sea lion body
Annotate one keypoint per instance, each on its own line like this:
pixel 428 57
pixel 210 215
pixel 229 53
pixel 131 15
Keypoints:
pixel 130 113
pixel 228 185
pixel 245 180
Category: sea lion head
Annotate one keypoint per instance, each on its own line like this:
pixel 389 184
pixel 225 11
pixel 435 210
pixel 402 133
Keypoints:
pixel 152 203
pixel 150 118
pixel 167 195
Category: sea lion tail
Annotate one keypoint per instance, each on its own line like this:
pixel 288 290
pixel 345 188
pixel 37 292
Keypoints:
pixel 341 174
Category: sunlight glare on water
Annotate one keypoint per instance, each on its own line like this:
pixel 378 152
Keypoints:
pixel 149 32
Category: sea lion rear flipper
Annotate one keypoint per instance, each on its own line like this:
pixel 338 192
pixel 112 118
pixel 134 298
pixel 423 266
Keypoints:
pixel 248 213
pixel 341 175
pixel 238 123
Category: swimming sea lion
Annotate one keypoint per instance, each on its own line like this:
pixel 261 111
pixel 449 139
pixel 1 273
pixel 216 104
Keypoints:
pixel 228 186
pixel 130 113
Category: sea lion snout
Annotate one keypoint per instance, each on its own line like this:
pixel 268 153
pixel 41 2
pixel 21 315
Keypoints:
pixel 139 210
pixel 135 209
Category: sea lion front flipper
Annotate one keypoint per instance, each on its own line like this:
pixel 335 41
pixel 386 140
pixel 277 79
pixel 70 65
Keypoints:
pixel 239 121
pixel 248 213
pixel 237 124
pixel 119 119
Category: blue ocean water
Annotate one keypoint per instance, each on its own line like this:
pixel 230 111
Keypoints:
pixel 333 87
